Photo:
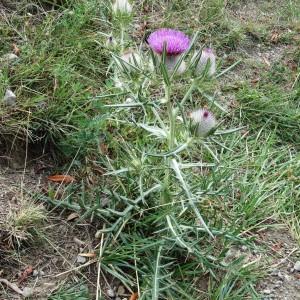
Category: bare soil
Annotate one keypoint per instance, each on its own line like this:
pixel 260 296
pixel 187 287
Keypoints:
pixel 282 251
pixel 52 252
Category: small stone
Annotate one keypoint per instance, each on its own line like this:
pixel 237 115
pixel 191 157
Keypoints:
pixel 35 273
pixel 297 266
pixel 287 277
pixel 80 259
pixel 9 98
pixel 111 293
pixel 244 248
pixel 42 273
pixel 121 290
pixel 129 100
pixel 9 57
pixel 267 291
pixel 27 292
pixel 78 241
pixel 280 275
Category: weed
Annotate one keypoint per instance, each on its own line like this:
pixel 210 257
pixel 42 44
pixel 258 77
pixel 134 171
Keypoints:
pixel 169 205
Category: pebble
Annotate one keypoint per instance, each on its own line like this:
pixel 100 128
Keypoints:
pixel 287 277
pixel 27 292
pixel 244 248
pixel 129 100
pixel 121 290
pixel 267 291
pixel 9 57
pixel 80 259
pixel 111 293
pixel 297 266
pixel 9 98
pixel 280 275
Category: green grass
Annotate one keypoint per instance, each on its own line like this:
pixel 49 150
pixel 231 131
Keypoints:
pixel 78 292
pixel 65 81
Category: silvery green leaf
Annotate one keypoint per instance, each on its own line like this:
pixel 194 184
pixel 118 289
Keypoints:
pixel 154 130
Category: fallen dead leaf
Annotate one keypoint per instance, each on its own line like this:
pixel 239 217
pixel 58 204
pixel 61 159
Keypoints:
pixel 266 61
pixel 72 216
pixel 61 178
pixel 278 246
pixel 78 241
pixel 255 80
pixel 297 276
pixel 275 37
pixel 134 296
pixel 25 274
pixel 16 49
pixel 103 148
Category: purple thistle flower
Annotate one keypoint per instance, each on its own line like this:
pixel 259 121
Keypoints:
pixel 176 41
pixel 204 120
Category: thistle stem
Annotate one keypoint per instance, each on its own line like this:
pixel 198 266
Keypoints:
pixel 171 117
pixel 122 37
pixel 166 195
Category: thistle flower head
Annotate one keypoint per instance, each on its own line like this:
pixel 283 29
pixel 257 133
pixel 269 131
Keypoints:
pixel 207 57
pixel 122 6
pixel 205 121
pixel 131 57
pixel 176 41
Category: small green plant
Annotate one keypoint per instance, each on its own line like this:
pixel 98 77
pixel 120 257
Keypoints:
pixel 78 292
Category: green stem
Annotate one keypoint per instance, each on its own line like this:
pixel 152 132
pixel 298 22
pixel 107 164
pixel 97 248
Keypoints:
pixel 186 96
pixel 122 38
pixel 171 117
pixel 188 93
pixel 166 193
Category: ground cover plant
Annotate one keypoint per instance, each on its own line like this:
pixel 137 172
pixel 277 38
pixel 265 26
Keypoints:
pixel 178 124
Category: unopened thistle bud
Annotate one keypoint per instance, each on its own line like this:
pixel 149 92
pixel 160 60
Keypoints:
pixel 129 58
pixel 207 60
pixel 204 120
pixel 122 6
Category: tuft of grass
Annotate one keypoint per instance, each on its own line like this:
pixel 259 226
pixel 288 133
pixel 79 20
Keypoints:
pixel 56 74
pixel 271 108
pixel 21 223
pixel 78 292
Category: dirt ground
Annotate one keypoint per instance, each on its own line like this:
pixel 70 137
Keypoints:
pixel 54 253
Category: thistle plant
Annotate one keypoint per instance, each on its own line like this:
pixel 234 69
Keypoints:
pixel 153 204
pixel 151 199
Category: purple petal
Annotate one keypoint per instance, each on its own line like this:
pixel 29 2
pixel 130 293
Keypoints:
pixel 176 41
